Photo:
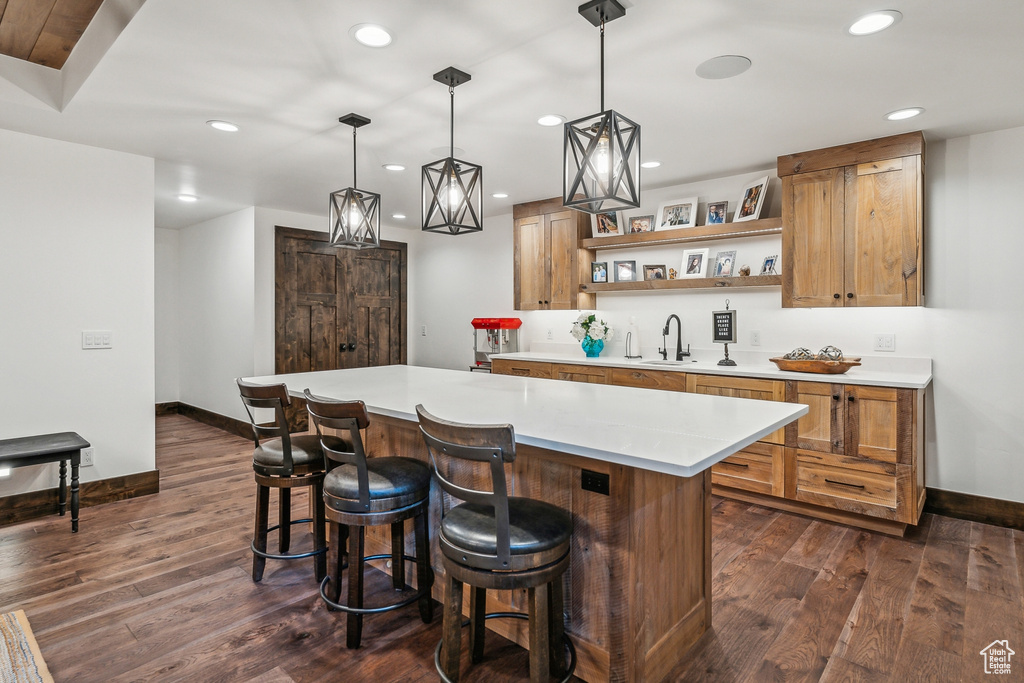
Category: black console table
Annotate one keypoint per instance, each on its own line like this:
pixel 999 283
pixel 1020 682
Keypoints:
pixel 36 450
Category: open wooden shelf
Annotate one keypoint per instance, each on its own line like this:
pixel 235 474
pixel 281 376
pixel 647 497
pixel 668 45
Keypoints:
pixel 687 283
pixel 764 226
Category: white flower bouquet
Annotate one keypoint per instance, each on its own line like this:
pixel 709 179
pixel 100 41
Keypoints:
pixel 587 325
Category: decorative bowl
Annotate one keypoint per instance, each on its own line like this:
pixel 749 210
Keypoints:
pixel 822 367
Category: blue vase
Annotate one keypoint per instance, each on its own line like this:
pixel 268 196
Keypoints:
pixel 592 347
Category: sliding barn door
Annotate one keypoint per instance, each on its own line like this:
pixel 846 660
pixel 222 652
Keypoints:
pixel 337 308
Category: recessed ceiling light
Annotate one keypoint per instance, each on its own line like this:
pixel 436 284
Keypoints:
pixel 371 35
pixel 901 114
pixel 500 195
pixel 399 216
pixel 650 164
pixel 875 22
pixel 225 126
pixel 723 66
pixel 394 167
pixel 551 120
pixel 188 198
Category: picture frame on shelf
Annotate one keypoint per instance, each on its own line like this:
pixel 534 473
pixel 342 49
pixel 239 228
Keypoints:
pixel 680 213
pixel 659 272
pixel 751 201
pixel 725 264
pixel 717 211
pixel 599 271
pixel 605 224
pixel 768 267
pixel 695 263
pixel 625 271
pixel 636 224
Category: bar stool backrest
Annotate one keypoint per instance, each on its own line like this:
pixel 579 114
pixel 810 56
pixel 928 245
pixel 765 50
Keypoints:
pixel 346 416
pixel 274 397
pixel 491 444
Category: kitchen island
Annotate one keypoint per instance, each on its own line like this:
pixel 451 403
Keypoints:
pixel 638 589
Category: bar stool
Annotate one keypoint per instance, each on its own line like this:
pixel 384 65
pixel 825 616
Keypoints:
pixel 500 542
pixel 284 462
pixel 361 492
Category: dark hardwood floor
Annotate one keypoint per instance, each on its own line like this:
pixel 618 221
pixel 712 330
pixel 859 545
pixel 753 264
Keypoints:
pixel 158 588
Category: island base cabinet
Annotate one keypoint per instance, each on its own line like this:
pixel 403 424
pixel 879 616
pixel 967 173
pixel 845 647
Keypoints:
pixel 638 587
pixel 759 468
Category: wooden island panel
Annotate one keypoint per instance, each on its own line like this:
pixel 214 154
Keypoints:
pixel 637 592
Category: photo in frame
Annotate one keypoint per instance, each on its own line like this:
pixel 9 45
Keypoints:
pixel 725 264
pixel 625 271
pixel 695 263
pixel 640 224
pixel 605 224
pixel 655 272
pixel 716 213
pixel 751 201
pixel 599 271
pixel 681 213
pixel 768 267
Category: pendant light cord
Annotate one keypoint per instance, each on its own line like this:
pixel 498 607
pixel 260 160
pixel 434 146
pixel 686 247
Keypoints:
pixel 602 63
pixel 451 121
pixel 355 183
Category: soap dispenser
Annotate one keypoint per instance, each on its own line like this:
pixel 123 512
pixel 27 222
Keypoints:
pixel 633 339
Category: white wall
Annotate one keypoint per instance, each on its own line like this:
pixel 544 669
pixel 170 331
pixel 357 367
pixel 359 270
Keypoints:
pixel 166 324
pixel 76 253
pixel 216 311
pixel 970 326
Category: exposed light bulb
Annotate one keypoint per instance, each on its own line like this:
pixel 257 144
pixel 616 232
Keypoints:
pixel 355 216
pixel 602 159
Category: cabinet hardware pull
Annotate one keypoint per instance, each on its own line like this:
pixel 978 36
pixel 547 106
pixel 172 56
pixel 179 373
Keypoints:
pixel 851 399
pixel 836 295
pixel 835 397
pixel 341 347
pixel 849 295
pixel 539 301
pixel 351 347
pixel 638 375
pixel 735 464
pixel 843 483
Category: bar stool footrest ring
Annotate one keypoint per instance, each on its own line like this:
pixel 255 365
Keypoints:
pixel 286 556
pixel 420 592
pixel 508 615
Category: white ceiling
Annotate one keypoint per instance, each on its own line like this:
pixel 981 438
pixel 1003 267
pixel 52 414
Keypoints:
pixel 285 72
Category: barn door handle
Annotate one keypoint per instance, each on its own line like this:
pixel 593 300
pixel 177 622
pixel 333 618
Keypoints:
pixel 351 346
pixel 341 347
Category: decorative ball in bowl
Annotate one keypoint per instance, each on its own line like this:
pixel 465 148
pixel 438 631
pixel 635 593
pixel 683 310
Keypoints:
pixel 828 361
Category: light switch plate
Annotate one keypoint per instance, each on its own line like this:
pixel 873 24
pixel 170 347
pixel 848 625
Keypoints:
pixel 97 339
pixel 885 342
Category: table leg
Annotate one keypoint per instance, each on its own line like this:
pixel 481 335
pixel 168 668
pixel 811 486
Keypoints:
pixel 75 461
pixel 62 494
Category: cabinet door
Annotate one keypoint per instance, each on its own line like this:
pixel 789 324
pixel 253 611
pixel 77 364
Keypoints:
pixel 501 366
pixel 812 239
pixel 531 266
pixel 579 373
pixel 883 228
pixel 666 380
pixel 741 387
pixel 823 427
pixel 758 468
pixel 561 253
pixel 872 423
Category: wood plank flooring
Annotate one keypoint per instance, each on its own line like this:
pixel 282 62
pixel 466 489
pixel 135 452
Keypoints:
pixel 158 589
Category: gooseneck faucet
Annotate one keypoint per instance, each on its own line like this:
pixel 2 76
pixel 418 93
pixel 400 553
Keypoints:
pixel 679 339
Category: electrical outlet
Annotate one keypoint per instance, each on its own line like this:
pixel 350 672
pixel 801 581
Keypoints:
pixel 423 330
pixel 885 342
pixel 88 456
pixel 551 334
pixel 755 338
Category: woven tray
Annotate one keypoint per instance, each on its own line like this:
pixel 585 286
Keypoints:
pixel 822 367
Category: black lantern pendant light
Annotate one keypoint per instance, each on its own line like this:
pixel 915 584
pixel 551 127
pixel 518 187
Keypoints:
pixel 355 214
pixel 453 190
pixel 601 152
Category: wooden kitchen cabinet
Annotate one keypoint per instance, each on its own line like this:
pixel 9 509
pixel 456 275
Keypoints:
pixel 589 374
pixel 741 387
pixel 549 264
pixel 852 224
pixel 501 366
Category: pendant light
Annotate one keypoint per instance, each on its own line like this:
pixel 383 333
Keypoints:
pixel 601 152
pixel 355 214
pixel 453 190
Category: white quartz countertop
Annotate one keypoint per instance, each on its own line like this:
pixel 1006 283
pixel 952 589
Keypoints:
pixel 675 433
pixel 902 373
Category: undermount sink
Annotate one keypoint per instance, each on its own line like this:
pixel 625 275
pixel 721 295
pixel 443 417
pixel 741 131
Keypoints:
pixel 666 362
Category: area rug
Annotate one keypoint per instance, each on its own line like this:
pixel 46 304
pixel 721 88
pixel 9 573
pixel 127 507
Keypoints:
pixel 20 659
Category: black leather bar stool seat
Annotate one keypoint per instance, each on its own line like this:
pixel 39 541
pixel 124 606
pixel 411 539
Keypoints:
pixel 361 492
pixel 494 541
pixel 283 462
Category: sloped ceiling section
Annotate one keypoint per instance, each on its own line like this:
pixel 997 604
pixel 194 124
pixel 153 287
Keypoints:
pixel 49 47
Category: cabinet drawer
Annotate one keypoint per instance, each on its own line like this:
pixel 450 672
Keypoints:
pixel 579 373
pixel 757 468
pixel 647 379
pixel 509 367
pixel 741 387
pixel 846 488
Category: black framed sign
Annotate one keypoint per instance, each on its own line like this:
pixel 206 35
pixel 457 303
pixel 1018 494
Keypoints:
pixel 723 327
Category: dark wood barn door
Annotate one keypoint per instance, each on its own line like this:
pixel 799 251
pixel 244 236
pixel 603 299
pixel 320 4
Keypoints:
pixel 337 308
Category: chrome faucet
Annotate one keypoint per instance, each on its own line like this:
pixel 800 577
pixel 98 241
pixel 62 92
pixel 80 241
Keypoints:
pixel 679 339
